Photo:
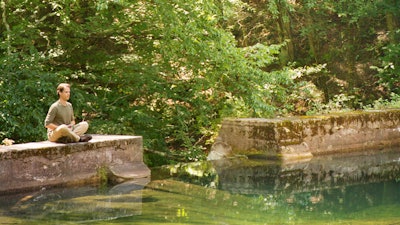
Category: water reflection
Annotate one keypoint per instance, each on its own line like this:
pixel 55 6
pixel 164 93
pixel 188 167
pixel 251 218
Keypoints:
pixel 354 189
pixel 319 173
pixel 260 176
pixel 74 204
pixel 326 186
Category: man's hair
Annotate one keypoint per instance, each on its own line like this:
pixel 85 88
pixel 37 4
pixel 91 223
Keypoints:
pixel 61 87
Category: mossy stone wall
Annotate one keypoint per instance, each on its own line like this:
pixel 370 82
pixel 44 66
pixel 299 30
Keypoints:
pixel 41 164
pixel 306 136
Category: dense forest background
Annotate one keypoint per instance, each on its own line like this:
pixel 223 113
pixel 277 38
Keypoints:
pixel 171 70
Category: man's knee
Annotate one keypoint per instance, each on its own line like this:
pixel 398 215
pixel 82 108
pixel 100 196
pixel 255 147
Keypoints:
pixel 81 128
pixel 62 129
pixel 84 125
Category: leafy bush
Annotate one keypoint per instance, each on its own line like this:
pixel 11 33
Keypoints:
pixel 391 103
pixel 25 93
pixel 389 71
pixel 167 70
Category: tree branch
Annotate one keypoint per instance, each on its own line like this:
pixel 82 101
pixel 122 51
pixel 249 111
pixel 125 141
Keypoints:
pixel 3 15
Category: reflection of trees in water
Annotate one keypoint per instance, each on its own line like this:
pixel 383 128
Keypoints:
pixel 234 190
pixel 319 173
pixel 325 183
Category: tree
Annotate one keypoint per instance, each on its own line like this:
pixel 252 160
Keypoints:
pixel 166 70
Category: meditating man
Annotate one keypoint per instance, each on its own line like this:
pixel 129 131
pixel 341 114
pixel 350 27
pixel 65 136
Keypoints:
pixel 60 121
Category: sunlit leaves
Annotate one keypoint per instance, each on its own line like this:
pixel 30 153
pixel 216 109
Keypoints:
pixel 389 71
pixel 166 70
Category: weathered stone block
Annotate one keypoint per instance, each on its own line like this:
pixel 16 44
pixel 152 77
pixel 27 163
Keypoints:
pixel 305 136
pixel 37 164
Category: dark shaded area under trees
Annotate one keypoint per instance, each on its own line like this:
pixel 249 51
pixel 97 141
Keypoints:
pixel 171 70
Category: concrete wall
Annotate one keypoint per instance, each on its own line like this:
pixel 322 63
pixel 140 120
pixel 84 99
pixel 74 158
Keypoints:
pixel 40 164
pixel 297 137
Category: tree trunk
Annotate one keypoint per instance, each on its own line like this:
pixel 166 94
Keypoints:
pixel 311 38
pixel 7 26
pixel 284 27
pixel 391 26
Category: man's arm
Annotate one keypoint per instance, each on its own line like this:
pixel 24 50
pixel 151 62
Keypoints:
pixel 51 126
pixel 71 124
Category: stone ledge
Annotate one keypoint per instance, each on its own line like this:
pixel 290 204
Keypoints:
pixel 305 136
pixel 38 164
pixel 47 146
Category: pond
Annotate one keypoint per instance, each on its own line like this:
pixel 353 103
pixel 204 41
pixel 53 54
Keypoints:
pixel 335 189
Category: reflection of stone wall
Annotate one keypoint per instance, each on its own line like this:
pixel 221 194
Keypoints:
pixel 33 165
pixel 82 204
pixel 320 173
pixel 313 135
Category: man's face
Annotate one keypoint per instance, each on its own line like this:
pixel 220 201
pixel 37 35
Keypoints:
pixel 65 94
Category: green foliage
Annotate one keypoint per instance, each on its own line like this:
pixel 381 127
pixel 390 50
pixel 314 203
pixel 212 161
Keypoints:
pixel 346 35
pixel 389 71
pixel 171 70
pixel 25 90
pixel 393 102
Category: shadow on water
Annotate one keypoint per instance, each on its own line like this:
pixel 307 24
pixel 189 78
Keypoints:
pixel 335 189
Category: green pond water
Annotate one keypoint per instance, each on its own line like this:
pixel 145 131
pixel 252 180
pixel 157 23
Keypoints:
pixel 352 189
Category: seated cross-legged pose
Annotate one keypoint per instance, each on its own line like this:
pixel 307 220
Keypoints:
pixel 60 121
